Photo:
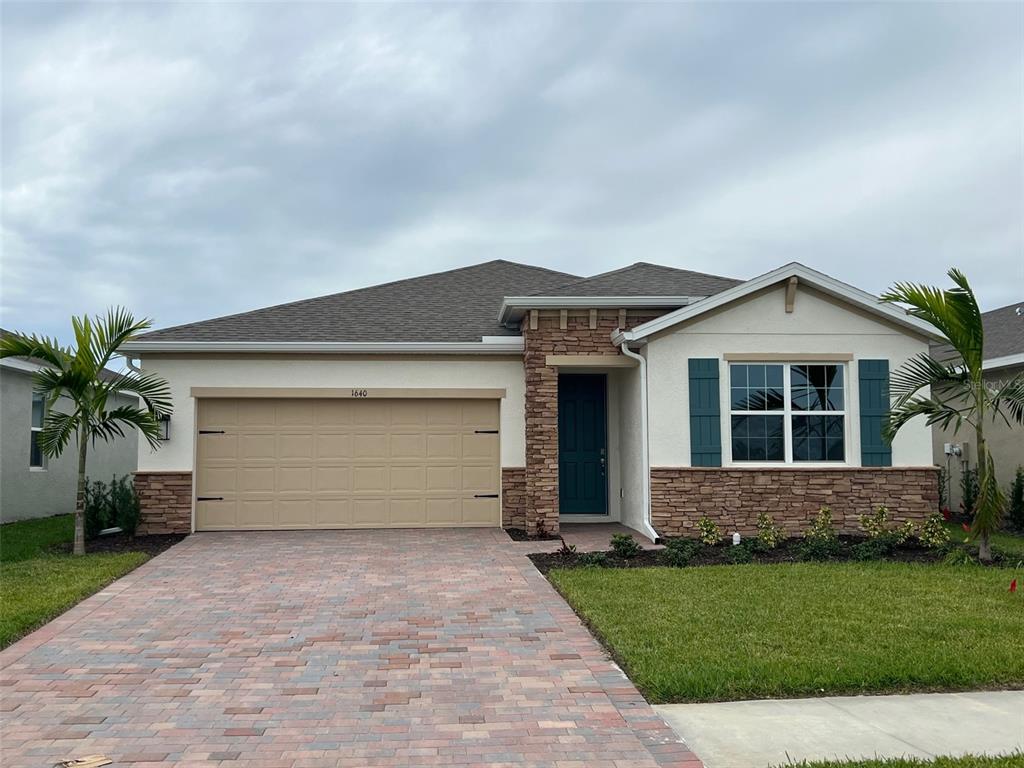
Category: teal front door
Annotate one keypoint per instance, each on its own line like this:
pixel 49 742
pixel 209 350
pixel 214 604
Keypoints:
pixel 582 445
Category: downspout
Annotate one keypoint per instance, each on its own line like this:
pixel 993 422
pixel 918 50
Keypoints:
pixel 645 451
pixel 130 362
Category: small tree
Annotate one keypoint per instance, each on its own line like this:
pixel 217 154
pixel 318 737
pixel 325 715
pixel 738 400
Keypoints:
pixel 957 390
pixel 77 374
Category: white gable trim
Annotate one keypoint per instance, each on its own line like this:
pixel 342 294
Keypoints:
pixel 806 276
pixel 514 307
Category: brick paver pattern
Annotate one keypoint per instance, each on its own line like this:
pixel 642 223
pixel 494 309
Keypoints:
pixel 327 648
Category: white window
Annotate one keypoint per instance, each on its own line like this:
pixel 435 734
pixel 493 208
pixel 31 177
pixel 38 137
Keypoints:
pixel 787 412
pixel 36 459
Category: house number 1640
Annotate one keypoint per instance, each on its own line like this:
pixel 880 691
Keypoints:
pixel 360 393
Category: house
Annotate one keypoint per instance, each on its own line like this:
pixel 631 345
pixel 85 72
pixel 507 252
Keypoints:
pixel 1004 359
pixel 32 485
pixel 511 395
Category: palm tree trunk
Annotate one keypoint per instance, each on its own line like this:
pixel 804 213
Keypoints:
pixel 79 546
pixel 984 532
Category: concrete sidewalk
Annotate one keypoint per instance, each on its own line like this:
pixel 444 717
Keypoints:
pixel 758 734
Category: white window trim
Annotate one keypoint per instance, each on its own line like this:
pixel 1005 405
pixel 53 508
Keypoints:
pixel 849 423
pixel 32 430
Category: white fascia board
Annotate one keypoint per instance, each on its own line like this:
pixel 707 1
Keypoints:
pixel 17 364
pixel 1006 361
pixel 806 275
pixel 490 345
pixel 513 307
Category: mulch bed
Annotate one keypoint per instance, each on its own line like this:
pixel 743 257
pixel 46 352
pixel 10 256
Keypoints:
pixel 518 534
pixel 120 542
pixel 788 551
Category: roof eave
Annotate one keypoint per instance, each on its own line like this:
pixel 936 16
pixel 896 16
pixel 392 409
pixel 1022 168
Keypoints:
pixel 806 275
pixel 1006 361
pixel 489 345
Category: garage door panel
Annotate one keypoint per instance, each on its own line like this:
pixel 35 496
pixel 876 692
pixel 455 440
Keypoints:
pixel 347 463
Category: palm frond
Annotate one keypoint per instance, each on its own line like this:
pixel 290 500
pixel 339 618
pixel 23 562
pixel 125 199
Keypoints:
pixel 114 330
pixel 953 312
pixel 84 359
pixel 109 424
pixel 990 502
pixel 923 371
pixel 58 429
pixel 1008 401
pixel 934 411
pixel 40 347
pixel 153 390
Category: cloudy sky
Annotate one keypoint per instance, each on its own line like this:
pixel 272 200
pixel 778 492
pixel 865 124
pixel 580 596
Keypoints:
pixel 195 159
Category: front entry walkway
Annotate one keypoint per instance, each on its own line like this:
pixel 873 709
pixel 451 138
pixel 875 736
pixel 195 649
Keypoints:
pixel 759 734
pixel 339 648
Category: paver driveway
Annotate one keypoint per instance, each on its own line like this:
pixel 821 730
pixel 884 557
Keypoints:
pixel 341 648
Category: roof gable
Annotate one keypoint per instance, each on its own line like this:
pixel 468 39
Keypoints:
pixel 805 275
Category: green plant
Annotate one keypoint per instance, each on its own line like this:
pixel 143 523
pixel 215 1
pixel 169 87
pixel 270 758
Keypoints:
pixel 625 546
pixel 97 508
pixel 959 556
pixel 904 532
pixel 740 553
pixel 820 540
pixel 76 376
pixel 1016 507
pixel 934 533
pixel 566 550
pixel 875 524
pixel 969 491
pixel 125 504
pixel 875 548
pixel 679 553
pixel 593 559
pixel 943 488
pixel 707 532
pixel 956 391
pixel 768 533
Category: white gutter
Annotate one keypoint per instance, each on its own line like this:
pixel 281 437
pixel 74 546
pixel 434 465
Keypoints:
pixel 1003 362
pixel 645 451
pixel 511 304
pixel 490 345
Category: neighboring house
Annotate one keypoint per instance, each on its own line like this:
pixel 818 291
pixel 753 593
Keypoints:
pixel 505 394
pixel 32 485
pixel 1004 359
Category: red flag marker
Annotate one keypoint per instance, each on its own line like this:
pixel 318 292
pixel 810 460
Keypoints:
pixel 1013 586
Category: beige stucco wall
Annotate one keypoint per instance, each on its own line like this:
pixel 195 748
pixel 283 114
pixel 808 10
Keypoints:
pixel 1005 442
pixel 631 448
pixel 185 372
pixel 760 324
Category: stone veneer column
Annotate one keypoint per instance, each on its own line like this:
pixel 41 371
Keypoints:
pixel 513 497
pixel 166 502
pixel 549 338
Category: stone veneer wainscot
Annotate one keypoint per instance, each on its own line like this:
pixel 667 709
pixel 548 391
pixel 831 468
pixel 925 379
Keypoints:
pixel 166 501
pixel 733 497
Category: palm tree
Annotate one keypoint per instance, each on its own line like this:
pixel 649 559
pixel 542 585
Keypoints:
pixel 75 374
pixel 956 391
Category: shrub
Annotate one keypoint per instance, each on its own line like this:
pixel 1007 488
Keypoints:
pixel 98 510
pixel 125 504
pixel 708 533
pixel 624 546
pixel 768 533
pixel 566 550
pixel 875 524
pixel 593 559
pixel 678 553
pixel 943 488
pixel 905 532
pixel 820 540
pixel 740 553
pixel 1016 500
pixel 934 534
pixel 875 548
pixel 969 491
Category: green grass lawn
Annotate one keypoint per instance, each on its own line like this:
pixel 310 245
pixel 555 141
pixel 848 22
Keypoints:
pixel 967 761
pixel 36 586
pixel 756 631
pixel 1011 545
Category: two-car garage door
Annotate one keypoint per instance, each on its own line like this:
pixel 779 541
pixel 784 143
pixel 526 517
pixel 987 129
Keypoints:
pixel 346 463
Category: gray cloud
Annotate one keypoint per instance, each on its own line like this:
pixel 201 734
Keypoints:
pixel 191 160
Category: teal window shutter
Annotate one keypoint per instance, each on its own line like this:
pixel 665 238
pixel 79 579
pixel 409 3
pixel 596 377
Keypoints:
pixel 705 413
pixel 874 411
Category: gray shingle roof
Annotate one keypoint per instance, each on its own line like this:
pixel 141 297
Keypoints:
pixel 643 279
pixel 1004 331
pixel 458 305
